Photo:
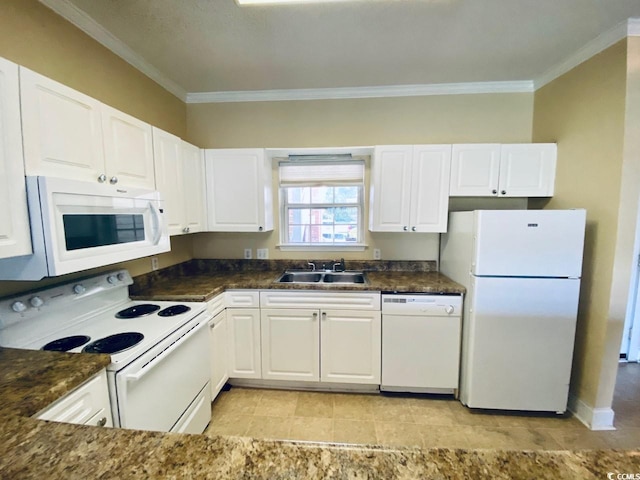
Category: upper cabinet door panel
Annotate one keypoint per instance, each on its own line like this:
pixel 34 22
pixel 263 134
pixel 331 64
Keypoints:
pixel 390 185
pixel 430 188
pixel 528 170
pixel 15 239
pixel 168 156
pixel 61 128
pixel 193 180
pixel 238 183
pixel 128 148
pixel 475 169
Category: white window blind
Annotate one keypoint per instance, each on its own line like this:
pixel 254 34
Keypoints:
pixel 321 173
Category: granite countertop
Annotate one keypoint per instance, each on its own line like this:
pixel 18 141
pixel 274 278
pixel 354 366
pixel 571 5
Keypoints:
pixel 201 281
pixel 30 448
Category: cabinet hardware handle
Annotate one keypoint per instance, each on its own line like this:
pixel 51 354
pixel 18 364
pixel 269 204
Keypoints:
pixel 315 316
pixel 405 228
pixel 102 422
pixel 113 180
pixel 324 316
pixel 494 192
pixel 413 229
pixel 260 229
pixel 185 229
pixel 503 192
pixel 102 178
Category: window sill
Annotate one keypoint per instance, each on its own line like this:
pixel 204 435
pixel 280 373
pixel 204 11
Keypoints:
pixel 323 248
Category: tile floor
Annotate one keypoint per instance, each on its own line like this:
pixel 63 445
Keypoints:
pixel 415 420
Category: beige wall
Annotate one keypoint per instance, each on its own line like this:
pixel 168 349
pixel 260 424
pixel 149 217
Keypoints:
pixel 328 123
pixel 584 112
pixel 33 36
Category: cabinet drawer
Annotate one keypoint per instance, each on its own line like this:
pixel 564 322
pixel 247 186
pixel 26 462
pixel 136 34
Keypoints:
pixel 82 405
pixel 324 300
pixel 242 298
pixel 216 305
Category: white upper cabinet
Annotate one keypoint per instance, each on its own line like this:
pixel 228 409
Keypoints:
pixel 528 169
pixel 62 130
pixel 410 188
pixel 128 149
pixel 193 181
pixel 510 170
pixel 15 239
pixel 239 192
pixel 69 134
pixel 167 149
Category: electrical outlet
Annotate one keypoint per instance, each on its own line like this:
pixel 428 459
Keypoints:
pixel 262 253
pixel 376 254
pixel 247 254
pixel 154 263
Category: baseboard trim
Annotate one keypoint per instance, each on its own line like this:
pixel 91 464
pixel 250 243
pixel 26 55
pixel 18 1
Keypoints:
pixel 593 418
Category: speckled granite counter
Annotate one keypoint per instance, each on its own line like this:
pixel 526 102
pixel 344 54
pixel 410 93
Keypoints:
pixel 29 448
pixel 201 280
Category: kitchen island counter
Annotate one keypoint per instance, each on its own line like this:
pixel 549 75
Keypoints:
pixel 31 448
pixel 201 280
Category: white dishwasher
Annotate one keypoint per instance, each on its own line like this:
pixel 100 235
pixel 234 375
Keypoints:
pixel 421 343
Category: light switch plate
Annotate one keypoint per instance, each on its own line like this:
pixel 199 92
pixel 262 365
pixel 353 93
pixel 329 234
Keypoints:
pixel 247 254
pixel 154 263
pixel 262 253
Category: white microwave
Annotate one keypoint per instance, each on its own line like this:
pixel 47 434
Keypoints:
pixel 79 225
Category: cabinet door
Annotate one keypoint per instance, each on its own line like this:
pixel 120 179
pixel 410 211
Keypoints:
pixel 430 173
pixel 290 344
pixel 527 170
pixel 15 239
pixel 193 180
pixel 390 186
pixel 243 329
pixel 128 149
pixel 238 191
pixel 219 353
pixel 61 128
pixel 167 151
pixel 350 346
pixel 475 169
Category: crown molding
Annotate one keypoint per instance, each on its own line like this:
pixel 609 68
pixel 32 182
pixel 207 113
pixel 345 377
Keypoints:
pixel 360 92
pixel 630 27
pixel 88 25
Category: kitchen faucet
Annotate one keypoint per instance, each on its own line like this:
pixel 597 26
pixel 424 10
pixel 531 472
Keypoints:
pixel 339 266
pixel 312 265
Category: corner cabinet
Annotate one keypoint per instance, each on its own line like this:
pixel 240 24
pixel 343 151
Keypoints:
pixel 410 188
pixel 15 236
pixel 72 135
pixel 509 170
pixel 239 191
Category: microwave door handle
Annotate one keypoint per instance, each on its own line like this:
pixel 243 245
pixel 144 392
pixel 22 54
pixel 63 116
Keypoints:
pixel 134 377
pixel 157 220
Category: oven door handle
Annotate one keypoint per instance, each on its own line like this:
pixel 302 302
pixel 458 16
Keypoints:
pixel 157 220
pixel 134 377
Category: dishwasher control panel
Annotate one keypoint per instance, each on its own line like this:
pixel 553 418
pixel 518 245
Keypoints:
pixel 416 304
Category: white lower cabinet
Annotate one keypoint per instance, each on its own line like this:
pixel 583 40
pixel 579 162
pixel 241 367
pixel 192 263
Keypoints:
pixel 243 336
pixel 219 353
pixel 86 405
pixel 305 342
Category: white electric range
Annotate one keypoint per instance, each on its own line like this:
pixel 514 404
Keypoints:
pixel 159 371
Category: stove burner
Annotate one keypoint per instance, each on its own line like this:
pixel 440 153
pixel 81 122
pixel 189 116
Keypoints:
pixel 114 343
pixel 138 311
pixel 173 310
pixel 67 343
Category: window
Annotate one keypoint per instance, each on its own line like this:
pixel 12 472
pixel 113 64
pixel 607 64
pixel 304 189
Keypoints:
pixel 322 203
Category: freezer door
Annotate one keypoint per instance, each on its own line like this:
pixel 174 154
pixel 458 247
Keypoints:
pixel 528 243
pixel 518 349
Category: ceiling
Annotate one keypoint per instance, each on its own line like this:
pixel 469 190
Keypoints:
pixel 218 46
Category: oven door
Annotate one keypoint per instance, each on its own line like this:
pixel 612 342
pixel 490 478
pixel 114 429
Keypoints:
pixel 88 225
pixel 154 391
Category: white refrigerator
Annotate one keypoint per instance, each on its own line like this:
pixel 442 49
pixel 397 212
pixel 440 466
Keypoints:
pixel 522 272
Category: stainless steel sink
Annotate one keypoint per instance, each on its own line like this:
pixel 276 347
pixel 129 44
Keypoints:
pixel 344 277
pixel 292 276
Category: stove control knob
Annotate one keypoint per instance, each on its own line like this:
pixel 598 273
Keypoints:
pixel 449 309
pixel 36 302
pixel 18 307
pixel 112 279
pixel 121 277
pixel 79 289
